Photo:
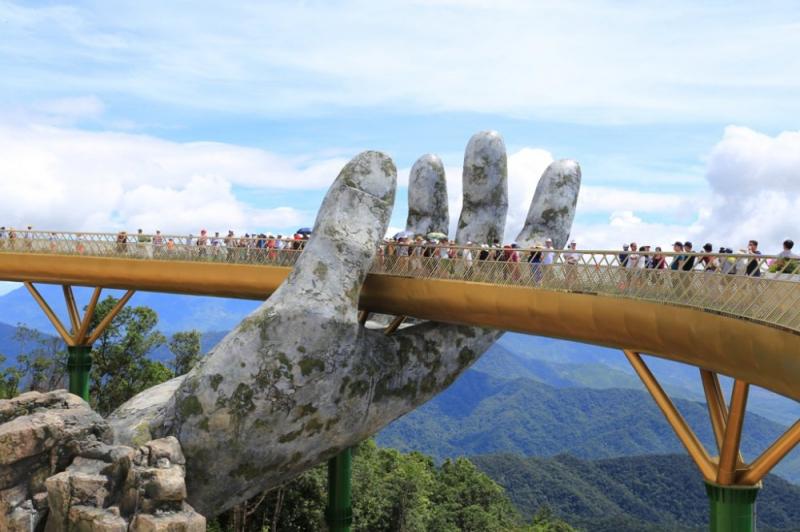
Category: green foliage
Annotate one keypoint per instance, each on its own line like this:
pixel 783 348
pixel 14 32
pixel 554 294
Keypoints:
pixel 662 492
pixel 480 414
pixel 185 347
pixel 120 366
pixel 9 380
pixel 392 492
pixel 41 364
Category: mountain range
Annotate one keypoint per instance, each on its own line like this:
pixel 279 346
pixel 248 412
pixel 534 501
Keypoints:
pixel 629 494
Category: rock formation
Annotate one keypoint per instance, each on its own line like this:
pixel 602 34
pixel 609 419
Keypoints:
pixel 58 472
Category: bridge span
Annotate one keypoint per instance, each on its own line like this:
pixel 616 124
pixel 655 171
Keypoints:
pixel 734 315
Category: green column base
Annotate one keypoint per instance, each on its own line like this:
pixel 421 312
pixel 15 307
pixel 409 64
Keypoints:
pixel 78 365
pixel 733 508
pixel 339 514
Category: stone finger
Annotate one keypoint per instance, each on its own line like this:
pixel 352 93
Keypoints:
pixel 553 206
pixel 485 196
pixel 350 224
pixel 427 197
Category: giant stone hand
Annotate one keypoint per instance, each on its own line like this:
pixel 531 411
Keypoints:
pixel 300 379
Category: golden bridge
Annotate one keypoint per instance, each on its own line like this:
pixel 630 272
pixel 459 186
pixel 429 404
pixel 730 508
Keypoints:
pixel 740 319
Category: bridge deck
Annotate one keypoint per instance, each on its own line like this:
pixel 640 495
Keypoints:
pixel 738 325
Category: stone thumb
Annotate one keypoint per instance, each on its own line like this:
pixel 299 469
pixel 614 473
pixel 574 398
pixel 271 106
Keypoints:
pixel 351 222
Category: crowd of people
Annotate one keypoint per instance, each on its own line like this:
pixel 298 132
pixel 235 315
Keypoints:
pixel 411 251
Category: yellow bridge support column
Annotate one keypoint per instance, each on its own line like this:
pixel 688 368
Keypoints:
pixel 79 339
pixel 731 484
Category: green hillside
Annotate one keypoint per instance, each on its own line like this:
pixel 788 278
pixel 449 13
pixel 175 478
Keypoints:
pixel 481 414
pixel 663 492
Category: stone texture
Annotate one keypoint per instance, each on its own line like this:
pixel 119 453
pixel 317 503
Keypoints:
pixel 39 434
pixel 91 519
pixel 175 522
pixel 65 475
pixel 299 379
pixel 427 197
pixel 485 189
pixel 553 207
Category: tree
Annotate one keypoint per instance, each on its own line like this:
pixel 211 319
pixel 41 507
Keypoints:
pixel 185 347
pixel 42 361
pixel 9 380
pixel 120 364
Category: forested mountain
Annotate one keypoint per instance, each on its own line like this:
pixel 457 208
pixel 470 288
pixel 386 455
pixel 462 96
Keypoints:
pixel 482 414
pixel 662 492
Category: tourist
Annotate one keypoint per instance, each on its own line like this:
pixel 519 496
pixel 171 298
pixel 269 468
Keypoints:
pixel 158 244
pixel 623 257
pixel 634 259
pixel 202 242
pixel 548 255
pixel 3 236
pixel 535 260
pixel 466 256
pixel 689 257
pixel 677 260
pixel 418 251
pixel 659 261
pixel 122 242
pixel 787 250
pixel 572 258
pixel 28 237
pixel 230 245
pixel 710 262
pixel 754 265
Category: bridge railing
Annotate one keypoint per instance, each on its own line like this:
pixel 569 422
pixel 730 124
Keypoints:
pixel 757 287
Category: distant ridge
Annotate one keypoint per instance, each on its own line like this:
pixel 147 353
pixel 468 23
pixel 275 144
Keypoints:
pixel 630 494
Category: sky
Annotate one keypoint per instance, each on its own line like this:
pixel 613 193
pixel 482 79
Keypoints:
pixel 178 116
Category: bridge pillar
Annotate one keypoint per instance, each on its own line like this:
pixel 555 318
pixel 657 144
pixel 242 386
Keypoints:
pixel 339 513
pixel 733 508
pixel 79 364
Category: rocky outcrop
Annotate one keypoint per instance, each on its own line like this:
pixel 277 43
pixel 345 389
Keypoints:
pixel 60 472
pixel 39 436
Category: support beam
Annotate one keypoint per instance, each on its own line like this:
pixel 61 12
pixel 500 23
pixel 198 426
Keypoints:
pixel 675 419
pixel 770 457
pixel 717 411
pixel 72 309
pixel 80 336
pixel 396 323
pixel 79 365
pixel 726 474
pixel 50 314
pixel 339 514
pixel 110 316
pixel 732 507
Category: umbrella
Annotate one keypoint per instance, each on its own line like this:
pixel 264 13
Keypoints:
pixel 435 235
pixel 403 234
pixel 303 231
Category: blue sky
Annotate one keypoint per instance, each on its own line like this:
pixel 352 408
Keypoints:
pixel 185 115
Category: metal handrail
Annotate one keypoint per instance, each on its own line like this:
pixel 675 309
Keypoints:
pixel 762 288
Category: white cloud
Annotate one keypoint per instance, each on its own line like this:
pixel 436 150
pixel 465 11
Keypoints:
pixel 77 180
pixel 754 183
pixel 68 110
pixel 598 61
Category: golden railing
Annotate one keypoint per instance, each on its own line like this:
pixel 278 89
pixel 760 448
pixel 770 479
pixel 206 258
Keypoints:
pixel 759 288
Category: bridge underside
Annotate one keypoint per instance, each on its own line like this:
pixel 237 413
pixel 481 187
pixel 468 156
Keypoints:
pixel 753 352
